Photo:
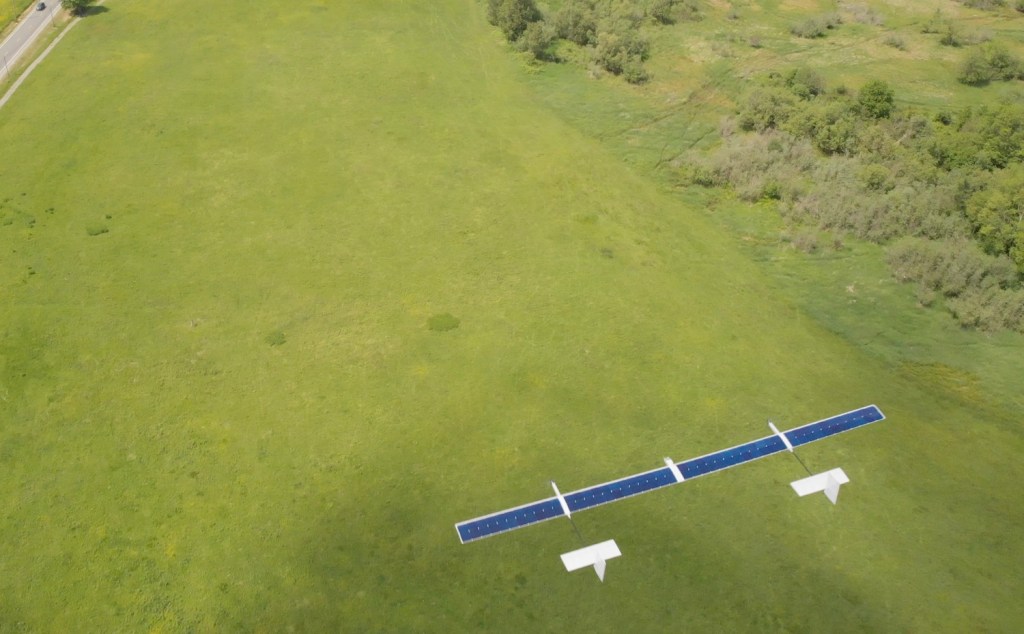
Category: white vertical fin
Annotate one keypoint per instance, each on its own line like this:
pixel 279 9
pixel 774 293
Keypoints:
pixel 675 470
pixel 599 566
pixel 561 499
pixel 832 488
pixel 596 555
pixel 781 435
pixel 827 482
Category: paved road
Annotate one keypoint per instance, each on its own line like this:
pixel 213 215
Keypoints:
pixel 24 35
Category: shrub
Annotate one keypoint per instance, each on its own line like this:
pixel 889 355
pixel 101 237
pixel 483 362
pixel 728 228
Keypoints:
pixel 77 7
pixel 806 240
pixel 771 190
pixel 1002 64
pixel 634 72
pixel 951 36
pixel 935 24
pixel 876 177
pixel 702 175
pixel 619 16
pixel 996 213
pixel 989 62
pixel 619 52
pixel 990 309
pixel 875 100
pixel 897 41
pixel 974 70
pixel 512 16
pixel 537 40
pixel 804 83
pixel 576 21
pixel 984 5
pixel 816 26
pixel 864 14
pixel 980 37
pixel 661 10
pixel 688 10
pixel 830 126
pixel 949 267
pixel 766 108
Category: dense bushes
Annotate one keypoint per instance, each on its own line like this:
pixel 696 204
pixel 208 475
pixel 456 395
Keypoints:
pixel 984 5
pixel 996 213
pixel 512 16
pixel 816 26
pixel 947 192
pixel 609 31
pixel 984 138
pixel 622 53
pixel 537 40
pixel 980 290
pixel 989 62
pixel 577 23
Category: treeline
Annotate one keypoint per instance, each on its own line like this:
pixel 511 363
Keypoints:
pixel 610 32
pixel 945 192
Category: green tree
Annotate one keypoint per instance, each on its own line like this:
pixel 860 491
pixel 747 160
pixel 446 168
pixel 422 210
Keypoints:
pixel 996 212
pixel 974 71
pixel 875 99
pixel 766 108
pixel 989 62
pixel 804 82
pixel 661 10
pixel 512 16
pixel 537 40
pixel 622 53
pixel 77 7
pixel 576 21
pixel 831 126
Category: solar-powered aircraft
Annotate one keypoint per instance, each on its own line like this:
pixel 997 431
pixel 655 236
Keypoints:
pixel 672 473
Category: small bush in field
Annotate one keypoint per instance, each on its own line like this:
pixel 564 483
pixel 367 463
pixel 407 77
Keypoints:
pixel 816 26
pixel 897 41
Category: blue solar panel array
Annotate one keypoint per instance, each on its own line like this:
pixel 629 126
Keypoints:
pixel 624 488
pixel 509 520
pixel 835 425
pixel 583 499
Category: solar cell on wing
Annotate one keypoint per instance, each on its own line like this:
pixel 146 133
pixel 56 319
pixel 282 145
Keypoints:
pixel 619 489
pixel 509 520
pixel 834 425
pixel 590 497
pixel 731 457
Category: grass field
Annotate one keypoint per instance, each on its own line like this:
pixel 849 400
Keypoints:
pixel 222 408
pixel 9 10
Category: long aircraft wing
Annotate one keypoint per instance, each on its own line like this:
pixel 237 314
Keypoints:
pixel 549 508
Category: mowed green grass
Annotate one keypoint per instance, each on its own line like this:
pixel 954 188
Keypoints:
pixel 9 10
pixel 185 184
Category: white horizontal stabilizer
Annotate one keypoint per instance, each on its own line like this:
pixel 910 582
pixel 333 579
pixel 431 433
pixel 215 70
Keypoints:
pixel 595 556
pixel 827 482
